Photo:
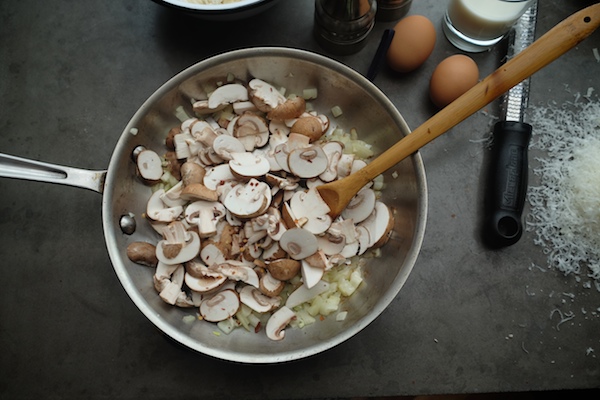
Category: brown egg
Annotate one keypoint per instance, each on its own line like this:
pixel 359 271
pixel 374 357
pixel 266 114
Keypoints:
pixel 413 42
pixel 451 78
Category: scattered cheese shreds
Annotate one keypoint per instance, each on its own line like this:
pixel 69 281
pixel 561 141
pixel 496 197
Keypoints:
pixel 565 207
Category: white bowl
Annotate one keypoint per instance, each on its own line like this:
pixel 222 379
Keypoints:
pixel 220 12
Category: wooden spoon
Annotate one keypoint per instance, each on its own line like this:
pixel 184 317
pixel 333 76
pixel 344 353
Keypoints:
pixel 557 41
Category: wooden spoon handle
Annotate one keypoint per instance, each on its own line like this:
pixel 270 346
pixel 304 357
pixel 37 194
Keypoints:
pixel 557 41
pixel 542 52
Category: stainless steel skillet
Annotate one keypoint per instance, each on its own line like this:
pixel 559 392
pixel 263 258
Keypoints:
pixel 365 108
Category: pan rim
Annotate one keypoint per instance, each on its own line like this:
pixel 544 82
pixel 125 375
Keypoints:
pixel 284 356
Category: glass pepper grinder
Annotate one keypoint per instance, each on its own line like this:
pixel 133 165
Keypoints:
pixel 341 26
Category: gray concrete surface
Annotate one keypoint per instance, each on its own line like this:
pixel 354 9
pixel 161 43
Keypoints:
pixel 468 320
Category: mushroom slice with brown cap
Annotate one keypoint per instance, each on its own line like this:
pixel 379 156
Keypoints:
pixel 298 243
pixel 331 243
pixel 311 206
pixel 307 162
pixel 192 172
pixel 220 306
pixel 257 301
pixel 311 126
pixel 226 94
pixel 238 271
pixel 379 224
pixel 249 165
pixel 142 253
pixel 270 286
pixel 149 166
pixel 303 294
pixel 201 107
pixel 360 206
pixel 203 133
pixel 290 108
pixel 206 215
pixel 213 254
pixel 157 210
pixel 283 150
pixel 197 191
pixel 178 245
pixel 284 269
pixel 252 130
pixel 202 279
pixel 248 200
pixel 277 322
pixel 225 145
pixel 264 95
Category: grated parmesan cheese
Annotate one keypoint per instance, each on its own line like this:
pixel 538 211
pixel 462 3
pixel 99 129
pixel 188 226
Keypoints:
pixel 565 207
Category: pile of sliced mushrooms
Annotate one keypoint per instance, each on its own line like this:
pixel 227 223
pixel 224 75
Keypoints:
pixel 244 220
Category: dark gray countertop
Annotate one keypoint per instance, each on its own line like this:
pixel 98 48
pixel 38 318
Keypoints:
pixel 468 319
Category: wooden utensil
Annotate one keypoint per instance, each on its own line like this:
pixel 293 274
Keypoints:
pixel 557 41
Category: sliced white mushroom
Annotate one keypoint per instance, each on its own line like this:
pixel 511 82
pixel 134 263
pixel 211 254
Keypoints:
pixel 311 275
pixel 220 306
pixel 275 226
pixel 264 95
pixel 363 237
pixel 227 94
pixel 206 215
pixel 360 206
pixel 178 245
pixel 311 206
pixel 157 210
pixel 298 243
pixel 241 107
pixel 217 176
pixel 283 150
pixel 149 165
pixel 252 130
pixel 307 162
pixel 170 289
pixel 330 243
pixel 258 301
pixel 201 107
pixel 344 165
pixel 249 165
pixel 379 224
pixel 277 322
pixel 212 254
pixel 248 200
pixel 172 197
pixel 333 150
pixel 224 145
pixel 238 271
pixel 303 294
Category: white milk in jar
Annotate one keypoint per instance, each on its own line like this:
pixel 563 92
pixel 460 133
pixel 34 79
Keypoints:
pixel 481 22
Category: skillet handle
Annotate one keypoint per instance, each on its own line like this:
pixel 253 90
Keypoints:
pixel 23 168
